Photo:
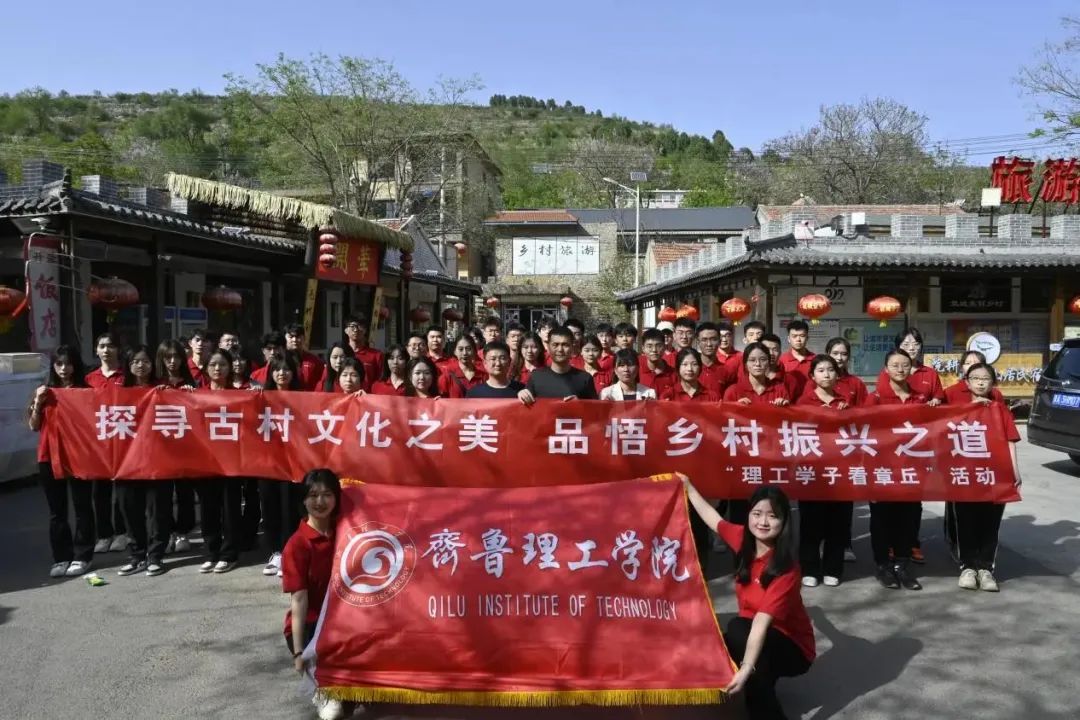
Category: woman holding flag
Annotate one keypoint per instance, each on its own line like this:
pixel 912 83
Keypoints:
pixel 219 497
pixel 771 637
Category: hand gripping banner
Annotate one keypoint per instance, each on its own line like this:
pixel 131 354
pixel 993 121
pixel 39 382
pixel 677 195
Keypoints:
pixel 519 597
pixel 957 453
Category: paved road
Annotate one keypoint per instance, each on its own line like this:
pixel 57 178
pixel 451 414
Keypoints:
pixel 190 646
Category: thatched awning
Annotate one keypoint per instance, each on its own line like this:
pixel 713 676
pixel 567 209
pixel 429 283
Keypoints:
pixel 308 214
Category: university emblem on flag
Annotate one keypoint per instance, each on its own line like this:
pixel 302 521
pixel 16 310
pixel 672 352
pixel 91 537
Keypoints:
pixel 375 564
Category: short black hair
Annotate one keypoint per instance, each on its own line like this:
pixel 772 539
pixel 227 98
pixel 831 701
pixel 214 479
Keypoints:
pixel 491 321
pixel 652 334
pixel 514 327
pixel 562 331
pixel 753 325
pixel 575 323
pixel 685 322
pixel 913 332
pixel 707 326
pixel 204 334
pixel 772 337
pixel 798 325
pixel 273 339
pixel 725 325
pixel 294 329
pixel 604 327
pixel 625 328
pixel 547 321
pixel 496 345
pixel 417 334
pixel 433 328
pixel 626 356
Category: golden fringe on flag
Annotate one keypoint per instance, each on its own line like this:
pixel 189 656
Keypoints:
pixel 552 698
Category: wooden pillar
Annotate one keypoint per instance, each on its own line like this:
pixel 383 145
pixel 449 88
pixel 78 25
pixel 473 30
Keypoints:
pixel 403 311
pixel 1057 310
pixel 156 331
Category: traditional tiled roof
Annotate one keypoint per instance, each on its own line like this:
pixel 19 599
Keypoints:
pixel 732 219
pixel 59 198
pixel 427 265
pixel 667 252
pixel 526 217
pixel 826 212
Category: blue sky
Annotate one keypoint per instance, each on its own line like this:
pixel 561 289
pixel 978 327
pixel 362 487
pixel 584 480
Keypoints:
pixel 754 70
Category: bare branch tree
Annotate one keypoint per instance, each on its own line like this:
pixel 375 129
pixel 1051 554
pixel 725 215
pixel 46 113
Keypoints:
pixel 1054 80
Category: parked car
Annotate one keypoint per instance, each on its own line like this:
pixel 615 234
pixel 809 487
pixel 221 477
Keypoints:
pixel 1055 416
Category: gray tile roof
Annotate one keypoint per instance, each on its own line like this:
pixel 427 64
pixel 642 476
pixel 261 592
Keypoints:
pixel 427 265
pixel 654 220
pixel 56 198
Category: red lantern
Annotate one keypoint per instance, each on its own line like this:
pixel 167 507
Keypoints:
pixel 420 315
pixel 222 299
pixel 667 314
pixel 112 294
pixel 328 240
pixel 813 306
pixel 1074 305
pixel 567 302
pixel 883 308
pixel 384 314
pixel 460 247
pixel 10 300
pixel 736 310
pixel 688 311
pixel 452 315
pixel 492 302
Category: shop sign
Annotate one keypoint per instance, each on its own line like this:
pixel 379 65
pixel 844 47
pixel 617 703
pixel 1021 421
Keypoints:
pixel 356 263
pixel 1059 180
pixel 43 291
pixel 977 296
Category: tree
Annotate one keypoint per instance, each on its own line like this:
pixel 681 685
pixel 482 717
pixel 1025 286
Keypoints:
pixel 872 152
pixel 1054 80
pixel 359 129
pixel 595 159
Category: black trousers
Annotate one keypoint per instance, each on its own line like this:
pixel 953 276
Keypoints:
pixel 109 519
pixel 252 512
pixel 977 526
pixel 894 526
pixel 185 506
pixel 780 657
pixel 824 533
pixel 219 516
pixel 143 503
pixel 66 547
pixel 282 508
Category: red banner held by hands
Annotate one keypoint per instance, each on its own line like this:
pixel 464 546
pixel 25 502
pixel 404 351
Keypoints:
pixel 914 452
pixel 519 597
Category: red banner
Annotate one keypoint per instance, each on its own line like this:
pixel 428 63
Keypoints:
pixel 875 453
pixel 356 262
pixel 518 597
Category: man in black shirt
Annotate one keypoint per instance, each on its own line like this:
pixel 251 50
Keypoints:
pixel 560 380
pixel 497 364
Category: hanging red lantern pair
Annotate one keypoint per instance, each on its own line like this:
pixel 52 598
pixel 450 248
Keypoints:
pixel 328 240
pixel 735 309
pixel 406 265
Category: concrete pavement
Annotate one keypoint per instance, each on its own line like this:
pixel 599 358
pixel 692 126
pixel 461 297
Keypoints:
pixel 185 645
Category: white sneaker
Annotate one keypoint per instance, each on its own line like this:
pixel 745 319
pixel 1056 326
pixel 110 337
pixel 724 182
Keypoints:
pixel 987 581
pixel 58 570
pixel 969 580
pixel 849 555
pixel 103 545
pixel 273 565
pixel 809 581
pixel 77 568
pixel 154 569
pixel 170 548
pixel 207 567
pixel 182 544
pixel 280 574
pixel 119 543
pixel 330 709
pixel 224 566
pixel 830 581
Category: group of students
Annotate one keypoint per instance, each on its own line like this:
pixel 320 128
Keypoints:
pixel 690 363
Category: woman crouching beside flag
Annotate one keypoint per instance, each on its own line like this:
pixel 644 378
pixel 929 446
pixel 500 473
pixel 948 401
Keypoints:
pixel 772 633
pixel 306 565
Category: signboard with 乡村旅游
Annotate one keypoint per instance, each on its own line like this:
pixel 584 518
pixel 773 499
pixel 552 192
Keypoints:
pixel 556 256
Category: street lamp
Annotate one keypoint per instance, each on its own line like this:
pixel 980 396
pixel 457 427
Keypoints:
pixel 636 177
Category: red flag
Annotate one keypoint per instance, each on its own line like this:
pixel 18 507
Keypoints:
pixel 519 597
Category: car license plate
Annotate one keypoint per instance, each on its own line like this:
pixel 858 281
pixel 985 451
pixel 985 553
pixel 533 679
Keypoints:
pixel 1065 401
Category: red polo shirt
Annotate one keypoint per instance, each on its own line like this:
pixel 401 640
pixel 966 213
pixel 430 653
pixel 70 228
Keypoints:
pixel 372 360
pixel 716 378
pixel 850 388
pixel 97 379
pixel 885 395
pixel 782 599
pixel 306 563
pixel 923 380
pixel 386 387
pixel 960 394
pixel 677 393
pixel 197 373
pixel 810 399
pixel 454 384
pixel 607 361
pixel 656 379
pixel 733 356
pixel 258 375
pixel 775 389
pixel 670 355
pixel 310 370
pixel 601 379
pixel 799 369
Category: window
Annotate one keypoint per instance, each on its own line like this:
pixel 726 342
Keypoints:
pixel 1036 294
pixel 1065 365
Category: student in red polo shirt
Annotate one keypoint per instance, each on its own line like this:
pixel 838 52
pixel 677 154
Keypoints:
pixel 309 368
pixel 682 337
pixel 306 565
pixel 714 373
pixel 894 526
pixel 457 378
pixel 924 379
pixel 111 528
pixel 280 501
pixel 172 371
pixel 591 350
pixel 71 558
pixel 202 343
pixel 796 361
pixel 416 345
pixel 605 333
pixel 725 349
pixel 793 382
pixel 689 387
pixel 422 379
pixel 652 370
pixel 350 379
pixel 848 386
pixel 533 357
pixel 392 381
pixel 977 524
pixel 752 331
pixel 771 637
pixel 625 337
pixel 273 344
pixel 754 386
pixel 338 353
pixel 436 350
pixel 356 332
pixel 824 525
